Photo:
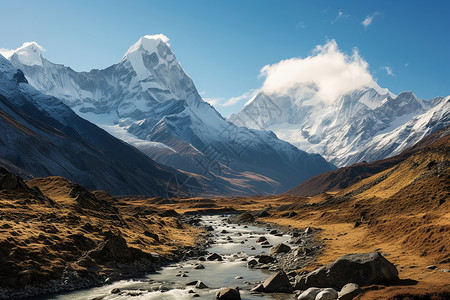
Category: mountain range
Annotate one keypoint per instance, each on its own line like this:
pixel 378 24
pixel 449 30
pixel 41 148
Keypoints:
pixel 148 101
pixel 365 124
pixel 278 140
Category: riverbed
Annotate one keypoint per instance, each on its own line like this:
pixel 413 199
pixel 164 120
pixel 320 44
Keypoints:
pixel 235 243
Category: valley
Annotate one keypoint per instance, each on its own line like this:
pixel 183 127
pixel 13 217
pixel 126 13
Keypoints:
pixel 286 170
pixel 406 220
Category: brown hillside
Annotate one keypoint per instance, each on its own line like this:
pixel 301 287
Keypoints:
pixel 50 227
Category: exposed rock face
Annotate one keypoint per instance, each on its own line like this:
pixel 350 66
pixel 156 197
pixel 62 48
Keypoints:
pixel 228 294
pixel 277 283
pixel 362 268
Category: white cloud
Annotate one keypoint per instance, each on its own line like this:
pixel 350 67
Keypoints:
pixel 328 71
pixel 369 19
pixel 8 52
pixel 388 70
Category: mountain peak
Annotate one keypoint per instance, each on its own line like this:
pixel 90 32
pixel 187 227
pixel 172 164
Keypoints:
pixel 148 43
pixel 30 53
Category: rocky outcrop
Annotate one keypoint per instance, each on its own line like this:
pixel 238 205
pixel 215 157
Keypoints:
pixel 362 269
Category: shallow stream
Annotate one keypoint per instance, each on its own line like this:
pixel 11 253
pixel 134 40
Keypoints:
pixel 165 284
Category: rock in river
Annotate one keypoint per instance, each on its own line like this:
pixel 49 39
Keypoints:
pixel 261 239
pixel 265 259
pixel 277 283
pixel 228 294
pixel 200 285
pixel 214 256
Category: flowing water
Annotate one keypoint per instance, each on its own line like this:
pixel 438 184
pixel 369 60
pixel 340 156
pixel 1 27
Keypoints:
pixel 165 284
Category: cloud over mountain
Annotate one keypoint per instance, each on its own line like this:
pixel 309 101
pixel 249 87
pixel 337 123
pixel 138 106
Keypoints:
pixel 328 70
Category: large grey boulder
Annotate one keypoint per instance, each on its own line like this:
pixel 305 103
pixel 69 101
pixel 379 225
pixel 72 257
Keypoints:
pixel 349 291
pixel 277 283
pixel 362 268
pixel 228 294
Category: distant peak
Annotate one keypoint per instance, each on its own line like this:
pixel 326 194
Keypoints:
pixel 30 53
pixel 149 43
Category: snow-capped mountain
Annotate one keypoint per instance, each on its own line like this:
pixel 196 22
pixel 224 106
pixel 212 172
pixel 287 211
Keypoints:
pixel 364 124
pixel 41 136
pixel 149 101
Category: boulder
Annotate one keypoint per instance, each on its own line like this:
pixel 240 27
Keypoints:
pixel 265 259
pixel 228 294
pixel 277 283
pixel 259 288
pixel 261 239
pixel 309 294
pixel 214 256
pixel 327 294
pixel 199 267
pixel 362 268
pixel 349 291
pixel 245 217
pixel 252 263
pixel 280 248
pixel 200 285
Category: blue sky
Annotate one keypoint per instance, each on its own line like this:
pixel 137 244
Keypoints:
pixel 223 45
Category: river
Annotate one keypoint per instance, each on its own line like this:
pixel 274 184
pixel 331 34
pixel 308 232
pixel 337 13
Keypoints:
pixel 165 284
